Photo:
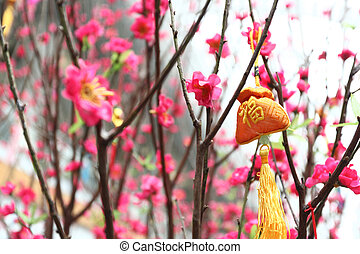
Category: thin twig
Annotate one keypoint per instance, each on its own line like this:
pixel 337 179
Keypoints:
pixel 164 174
pixel 181 218
pixel 67 32
pixel 20 109
pixel 247 189
pixel 344 107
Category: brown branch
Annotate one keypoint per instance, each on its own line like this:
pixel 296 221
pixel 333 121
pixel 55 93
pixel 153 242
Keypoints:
pixel 20 109
pixel 181 218
pixel 67 32
pixel 164 174
pixel 104 187
pixel 344 107
pixel 247 189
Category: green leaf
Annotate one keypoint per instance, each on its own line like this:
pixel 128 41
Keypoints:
pixel 253 232
pixel 40 218
pixel 26 219
pixel 86 44
pixel 79 123
pixel 32 210
pixel 116 215
pixel 343 124
pixel 347 25
pixel 304 124
pixel 294 122
pixel 355 105
pixel 124 55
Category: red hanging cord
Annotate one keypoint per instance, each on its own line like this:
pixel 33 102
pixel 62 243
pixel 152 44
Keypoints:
pixel 313 217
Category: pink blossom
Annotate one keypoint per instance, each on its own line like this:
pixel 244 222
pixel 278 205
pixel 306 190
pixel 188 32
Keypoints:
pixel 128 145
pixel 348 177
pixel 249 224
pixel 304 73
pixel 132 62
pixel 146 128
pixel 73 166
pixel 345 54
pixel 241 16
pixel 90 146
pixel 231 211
pixel 26 195
pixel 239 176
pixel 137 7
pixel 286 93
pixel 8 188
pixel 118 45
pixel 267 46
pixel 161 111
pixel 144 28
pixel 169 162
pixel 99 232
pixel 91 30
pixel 322 55
pixel 89 93
pixel 115 171
pixel 214 44
pixel 265 79
pixel 340 150
pixel 150 185
pixel 25 233
pixel 303 86
pixel 337 99
pixel 7 209
pixel 293 234
pixel 205 90
pixel 138 227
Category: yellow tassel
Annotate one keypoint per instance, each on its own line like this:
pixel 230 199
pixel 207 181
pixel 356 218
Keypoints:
pixel 271 217
pixel 8 17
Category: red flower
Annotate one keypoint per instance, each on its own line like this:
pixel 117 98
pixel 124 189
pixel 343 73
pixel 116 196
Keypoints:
pixel 304 73
pixel 322 55
pixel 241 16
pixel 239 176
pixel 214 44
pixel 205 90
pixel 267 46
pixel 340 150
pixel 7 209
pixel 164 118
pixel 89 93
pixel 118 45
pixel 150 185
pixel 169 162
pixel 303 86
pixel 92 30
pixel 72 166
pixel 26 195
pixel 345 54
pixel 144 28
pixel 8 188
pixel 348 177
